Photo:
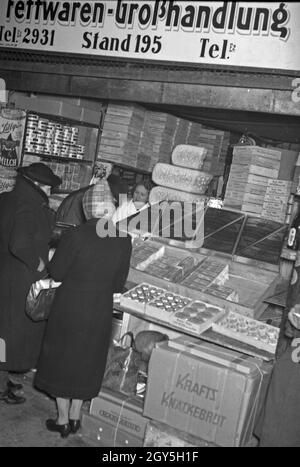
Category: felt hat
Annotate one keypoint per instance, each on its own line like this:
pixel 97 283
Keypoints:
pixel 39 172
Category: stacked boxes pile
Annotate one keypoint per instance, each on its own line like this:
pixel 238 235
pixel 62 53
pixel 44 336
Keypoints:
pixel 137 137
pixel 254 184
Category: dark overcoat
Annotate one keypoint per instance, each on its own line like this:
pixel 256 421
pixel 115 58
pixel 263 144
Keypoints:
pixel 74 352
pixel 25 231
pixel 70 210
pixel 279 421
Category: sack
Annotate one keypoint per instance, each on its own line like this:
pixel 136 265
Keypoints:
pixel 122 367
pixel 145 342
pixel 40 298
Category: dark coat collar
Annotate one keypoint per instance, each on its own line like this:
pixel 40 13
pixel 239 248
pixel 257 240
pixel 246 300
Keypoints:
pixel 29 191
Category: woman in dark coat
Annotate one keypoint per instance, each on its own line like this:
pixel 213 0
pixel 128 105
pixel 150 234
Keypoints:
pixel 91 268
pixel 25 231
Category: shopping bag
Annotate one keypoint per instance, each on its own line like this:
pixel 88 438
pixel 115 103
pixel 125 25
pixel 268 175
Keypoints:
pixel 122 367
pixel 40 298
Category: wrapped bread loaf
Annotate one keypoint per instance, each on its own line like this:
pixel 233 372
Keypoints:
pixel 161 193
pixel 191 181
pixel 188 156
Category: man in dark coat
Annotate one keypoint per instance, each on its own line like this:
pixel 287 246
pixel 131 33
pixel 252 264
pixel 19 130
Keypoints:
pixel 25 231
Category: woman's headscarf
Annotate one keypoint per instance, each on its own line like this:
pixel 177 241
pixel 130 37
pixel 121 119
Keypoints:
pixel 98 201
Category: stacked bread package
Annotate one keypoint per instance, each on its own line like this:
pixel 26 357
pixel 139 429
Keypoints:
pixel 182 180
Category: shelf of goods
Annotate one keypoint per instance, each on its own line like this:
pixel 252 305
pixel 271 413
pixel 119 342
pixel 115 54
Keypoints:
pixel 260 181
pixel 137 137
pixel 67 146
pixel 203 292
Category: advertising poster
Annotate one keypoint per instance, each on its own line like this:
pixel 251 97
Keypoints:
pixel 12 126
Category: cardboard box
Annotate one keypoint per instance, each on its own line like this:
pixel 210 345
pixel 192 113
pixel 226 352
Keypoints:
pixel 121 412
pixel 100 433
pixel 193 393
pixel 161 435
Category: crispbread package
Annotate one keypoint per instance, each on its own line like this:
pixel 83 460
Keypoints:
pixel 192 181
pixel 161 193
pixel 188 156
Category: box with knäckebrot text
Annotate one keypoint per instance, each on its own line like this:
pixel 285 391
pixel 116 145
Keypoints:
pixel 204 391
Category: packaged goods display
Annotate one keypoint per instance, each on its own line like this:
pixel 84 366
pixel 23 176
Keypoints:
pixel 223 292
pixel 73 175
pixel 171 268
pixel 194 316
pixel 166 305
pixel 136 298
pixel 192 181
pixel 253 332
pixel 209 272
pixel 47 137
pixel 188 156
pixel 144 254
pixel 140 138
pixel 161 193
pixel 259 183
pixel 197 317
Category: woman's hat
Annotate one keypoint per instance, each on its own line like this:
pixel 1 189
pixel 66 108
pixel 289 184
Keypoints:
pixel 39 172
pixel 98 201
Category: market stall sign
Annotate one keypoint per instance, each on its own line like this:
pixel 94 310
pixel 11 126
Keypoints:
pixel 254 34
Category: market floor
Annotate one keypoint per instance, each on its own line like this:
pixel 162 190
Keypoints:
pixel 24 425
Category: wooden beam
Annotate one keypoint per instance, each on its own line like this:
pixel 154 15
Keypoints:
pixel 156 92
pixel 155 72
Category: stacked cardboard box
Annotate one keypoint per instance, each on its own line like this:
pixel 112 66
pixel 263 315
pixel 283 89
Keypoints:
pixel 205 390
pixel 254 185
pixel 162 435
pixel 156 139
pixel 140 138
pixel 216 142
pixel 276 200
pixel 181 132
pixel 171 268
pixel 74 176
pixel 121 134
pixel 115 420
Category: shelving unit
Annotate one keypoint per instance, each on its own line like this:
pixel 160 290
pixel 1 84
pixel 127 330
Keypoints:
pixel 58 158
pixel 56 140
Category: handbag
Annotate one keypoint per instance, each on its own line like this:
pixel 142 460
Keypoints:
pixel 40 299
pixel 122 367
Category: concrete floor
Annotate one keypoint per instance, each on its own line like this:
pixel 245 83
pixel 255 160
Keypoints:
pixel 24 425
